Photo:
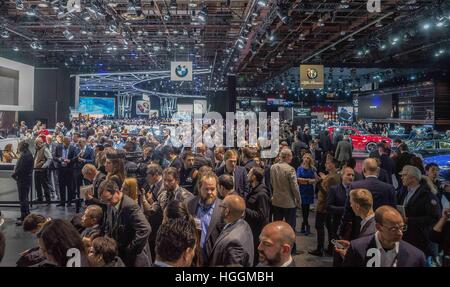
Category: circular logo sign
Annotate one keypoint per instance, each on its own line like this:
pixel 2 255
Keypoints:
pixel 181 71
pixel 312 73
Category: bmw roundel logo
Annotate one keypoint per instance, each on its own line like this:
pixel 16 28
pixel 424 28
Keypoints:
pixel 312 73
pixel 181 71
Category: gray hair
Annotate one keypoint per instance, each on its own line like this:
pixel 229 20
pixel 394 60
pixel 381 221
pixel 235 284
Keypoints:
pixel 412 171
pixel 284 153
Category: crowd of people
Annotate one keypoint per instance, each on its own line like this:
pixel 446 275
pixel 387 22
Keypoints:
pixel 145 202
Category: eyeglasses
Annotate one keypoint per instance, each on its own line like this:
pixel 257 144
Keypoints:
pixel 397 228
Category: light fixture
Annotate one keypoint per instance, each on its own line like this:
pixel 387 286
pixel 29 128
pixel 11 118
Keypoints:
pixel 43 4
pixel 4 34
pixel 281 13
pixel 68 35
pixel 439 24
pixel 203 14
pixel 351 39
pixel 167 17
pixel 19 4
pixel 426 26
pixel 192 4
pixel 16 49
pixel 32 11
pixel 262 3
pixel 35 45
pixel 173 4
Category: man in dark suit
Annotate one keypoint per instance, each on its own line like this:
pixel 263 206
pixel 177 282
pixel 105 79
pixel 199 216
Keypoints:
pixel 23 175
pixel 276 243
pixel 234 246
pixel 361 202
pixel 421 207
pixel 382 194
pixel 126 223
pixel 239 173
pixel 175 244
pixel 172 157
pixel 386 247
pixel 298 145
pixel 65 157
pixel 403 158
pixel 325 141
pixel 336 198
pixel 96 177
pixel 200 157
pixel 386 162
pixel 206 210
pixel 92 220
pixel 85 155
pixel 257 213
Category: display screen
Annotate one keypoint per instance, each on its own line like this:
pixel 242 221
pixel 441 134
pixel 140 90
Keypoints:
pixel 345 113
pixel 375 106
pixel 97 106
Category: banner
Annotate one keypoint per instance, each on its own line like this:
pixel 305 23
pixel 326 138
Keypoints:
pixel 311 77
pixel 181 71
pixel 142 107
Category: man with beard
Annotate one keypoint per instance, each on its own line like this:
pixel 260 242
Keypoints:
pixel 206 210
pixel 188 173
pixel 238 173
pixel 172 190
pixel 276 242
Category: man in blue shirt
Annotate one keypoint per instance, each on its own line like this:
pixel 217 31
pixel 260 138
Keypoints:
pixel 206 210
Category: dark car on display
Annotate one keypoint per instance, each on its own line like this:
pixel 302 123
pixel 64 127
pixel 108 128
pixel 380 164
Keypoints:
pixel 361 140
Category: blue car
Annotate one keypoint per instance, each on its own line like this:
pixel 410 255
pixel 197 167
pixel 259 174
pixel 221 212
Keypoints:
pixel 443 161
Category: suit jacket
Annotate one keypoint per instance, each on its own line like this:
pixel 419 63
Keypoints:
pixel 422 212
pixel 336 198
pixel 24 168
pixel 215 225
pixel 201 160
pixel 344 151
pixel 241 185
pixel 408 255
pixel 234 246
pixel 257 212
pixel 129 227
pixel 387 163
pixel 285 188
pixel 176 163
pixel 402 160
pixel 382 194
pixel 368 228
pixel 95 186
pixel 72 154
pixel 88 155
pixel 88 232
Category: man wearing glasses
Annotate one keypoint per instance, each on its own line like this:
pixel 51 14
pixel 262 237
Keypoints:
pixel 385 248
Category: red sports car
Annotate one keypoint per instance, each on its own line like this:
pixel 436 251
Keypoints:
pixel 361 140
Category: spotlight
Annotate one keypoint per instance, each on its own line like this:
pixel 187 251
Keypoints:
pixel 262 3
pixel 439 24
pixel 167 17
pixel 192 4
pixel 68 35
pixel 203 14
pixel 19 4
pixel 426 26
pixel 173 4
pixel 35 45
pixel 32 11
pixel 282 15
pixel 4 34
pixel 16 49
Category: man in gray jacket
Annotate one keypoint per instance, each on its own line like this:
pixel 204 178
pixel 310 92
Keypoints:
pixel 286 194
pixel 344 150
pixel 234 246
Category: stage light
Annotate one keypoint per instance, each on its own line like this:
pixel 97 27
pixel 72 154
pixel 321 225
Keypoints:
pixel 68 35
pixel 43 4
pixel 426 26
pixel 173 4
pixel 32 12
pixel 4 34
pixel 262 3
pixel 282 15
pixel 19 5
pixel 167 17
pixel 439 24
pixel 35 45
pixel 382 47
pixel 203 14
pixel 15 49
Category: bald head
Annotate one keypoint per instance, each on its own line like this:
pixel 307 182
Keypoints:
pixel 281 232
pixel 387 213
pixel 201 148
pixel 236 206
pixel 370 166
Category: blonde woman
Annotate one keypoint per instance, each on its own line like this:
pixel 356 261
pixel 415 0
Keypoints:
pixel 306 176
pixel 9 154
pixel 130 188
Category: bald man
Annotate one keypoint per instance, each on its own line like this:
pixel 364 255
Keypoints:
pixel 276 242
pixel 385 248
pixel 382 194
pixel 234 246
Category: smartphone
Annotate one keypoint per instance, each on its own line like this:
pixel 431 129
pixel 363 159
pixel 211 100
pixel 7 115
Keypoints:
pixel 337 244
